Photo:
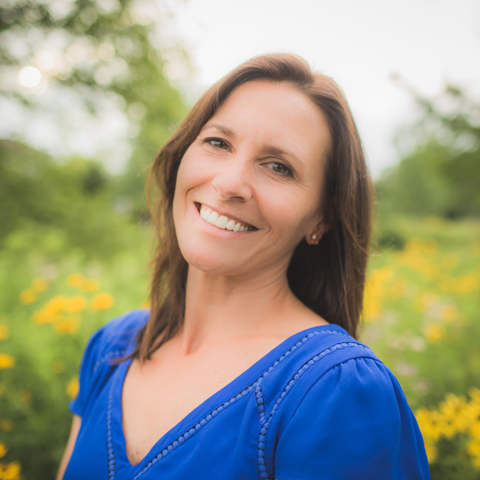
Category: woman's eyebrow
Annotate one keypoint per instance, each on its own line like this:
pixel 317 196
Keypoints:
pixel 222 129
pixel 269 149
pixel 272 150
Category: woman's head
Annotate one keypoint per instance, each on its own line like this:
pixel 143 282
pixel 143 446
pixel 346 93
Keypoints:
pixel 336 201
pixel 257 162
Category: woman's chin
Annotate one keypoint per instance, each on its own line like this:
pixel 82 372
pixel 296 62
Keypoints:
pixel 212 263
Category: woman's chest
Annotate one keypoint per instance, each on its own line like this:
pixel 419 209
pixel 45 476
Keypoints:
pixel 156 398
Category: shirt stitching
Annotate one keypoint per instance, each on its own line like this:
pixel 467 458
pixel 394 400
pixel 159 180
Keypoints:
pixel 266 419
pixel 193 430
pixel 108 355
pixel 111 452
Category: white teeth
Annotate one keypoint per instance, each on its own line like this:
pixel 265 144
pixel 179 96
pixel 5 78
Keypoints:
pixel 204 212
pixel 212 218
pixel 221 221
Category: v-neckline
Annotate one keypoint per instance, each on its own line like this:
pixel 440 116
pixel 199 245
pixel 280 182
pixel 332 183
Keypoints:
pixel 115 415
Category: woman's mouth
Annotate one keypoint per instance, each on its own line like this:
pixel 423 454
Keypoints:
pixel 221 221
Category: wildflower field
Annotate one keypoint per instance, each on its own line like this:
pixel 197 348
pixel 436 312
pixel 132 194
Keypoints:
pixel 421 318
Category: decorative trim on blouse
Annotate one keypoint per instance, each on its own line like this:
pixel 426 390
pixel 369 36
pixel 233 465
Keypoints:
pixel 193 430
pixel 111 452
pixel 265 420
pixel 114 353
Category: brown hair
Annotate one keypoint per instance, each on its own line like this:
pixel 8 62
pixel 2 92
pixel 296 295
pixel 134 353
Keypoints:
pixel 328 278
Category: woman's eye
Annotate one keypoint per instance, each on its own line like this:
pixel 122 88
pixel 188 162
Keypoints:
pixel 217 143
pixel 280 168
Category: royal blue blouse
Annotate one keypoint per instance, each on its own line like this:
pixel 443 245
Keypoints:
pixel 320 405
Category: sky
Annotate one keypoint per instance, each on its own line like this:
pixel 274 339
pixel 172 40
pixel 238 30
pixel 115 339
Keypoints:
pixel 360 43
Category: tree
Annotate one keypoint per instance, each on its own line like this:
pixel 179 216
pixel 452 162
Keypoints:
pixel 52 209
pixel 95 52
pixel 441 173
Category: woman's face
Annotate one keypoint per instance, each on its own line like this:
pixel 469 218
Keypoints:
pixel 249 187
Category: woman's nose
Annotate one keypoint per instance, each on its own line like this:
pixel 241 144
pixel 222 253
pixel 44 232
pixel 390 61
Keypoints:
pixel 233 181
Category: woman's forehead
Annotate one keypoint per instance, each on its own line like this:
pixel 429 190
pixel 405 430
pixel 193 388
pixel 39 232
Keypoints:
pixel 275 113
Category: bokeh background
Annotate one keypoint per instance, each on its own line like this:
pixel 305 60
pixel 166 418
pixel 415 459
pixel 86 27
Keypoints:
pixel 91 89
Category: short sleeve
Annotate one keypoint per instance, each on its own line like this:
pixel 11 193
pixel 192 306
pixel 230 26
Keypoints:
pixel 114 340
pixel 86 380
pixel 353 423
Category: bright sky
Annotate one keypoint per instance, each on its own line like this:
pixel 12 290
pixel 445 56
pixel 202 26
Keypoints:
pixel 360 43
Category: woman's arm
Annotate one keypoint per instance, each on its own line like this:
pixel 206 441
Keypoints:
pixel 69 448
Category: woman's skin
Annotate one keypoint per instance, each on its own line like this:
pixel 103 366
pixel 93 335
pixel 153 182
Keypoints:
pixel 70 445
pixel 237 282
pixel 259 160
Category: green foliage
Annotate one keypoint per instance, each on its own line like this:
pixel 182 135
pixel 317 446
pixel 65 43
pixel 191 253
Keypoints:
pixel 441 175
pixel 421 318
pixel 56 208
pixel 34 393
pixel 93 52
pixel 421 309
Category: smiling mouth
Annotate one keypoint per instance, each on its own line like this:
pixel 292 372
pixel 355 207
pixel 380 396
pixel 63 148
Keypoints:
pixel 221 221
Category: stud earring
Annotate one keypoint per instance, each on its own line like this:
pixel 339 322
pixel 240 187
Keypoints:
pixel 314 238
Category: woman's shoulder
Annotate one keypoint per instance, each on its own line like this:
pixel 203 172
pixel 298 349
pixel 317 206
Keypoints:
pixel 121 331
pixel 113 340
pixel 326 346
pixel 347 404
pixel 328 372
pixel 319 358
pixel 333 356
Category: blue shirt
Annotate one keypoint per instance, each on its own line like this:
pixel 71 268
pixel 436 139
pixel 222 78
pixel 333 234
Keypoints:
pixel 318 406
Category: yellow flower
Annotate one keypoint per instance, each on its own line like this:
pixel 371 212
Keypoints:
pixel 3 450
pixel 43 316
pixel 66 325
pixel 145 304
pixel 398 289
pixel 449 313
pixel 431 451
pixel 10 471
pixel 102 301
pixel 27 297
pixel 433 333
pixel 72 387
pixel 91 285
pixel 25 396
pixel 39 284
pixel 76 304
pixel 375 292
pixel 76 280
pixel 467 284
pixel 6 360
pixel 4 333
pixel 51 310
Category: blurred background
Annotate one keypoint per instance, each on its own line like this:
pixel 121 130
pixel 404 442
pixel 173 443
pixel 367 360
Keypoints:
pixel 89 92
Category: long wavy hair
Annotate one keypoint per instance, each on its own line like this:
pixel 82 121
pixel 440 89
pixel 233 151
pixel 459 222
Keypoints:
pixel 328 278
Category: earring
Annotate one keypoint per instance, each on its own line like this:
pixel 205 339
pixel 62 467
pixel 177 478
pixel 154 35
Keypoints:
pixel 314 238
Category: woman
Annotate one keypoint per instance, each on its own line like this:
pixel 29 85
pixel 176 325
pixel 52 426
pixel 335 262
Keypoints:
pixel 246 366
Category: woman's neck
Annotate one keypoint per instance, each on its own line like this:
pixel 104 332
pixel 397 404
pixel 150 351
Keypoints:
pixel 219 308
